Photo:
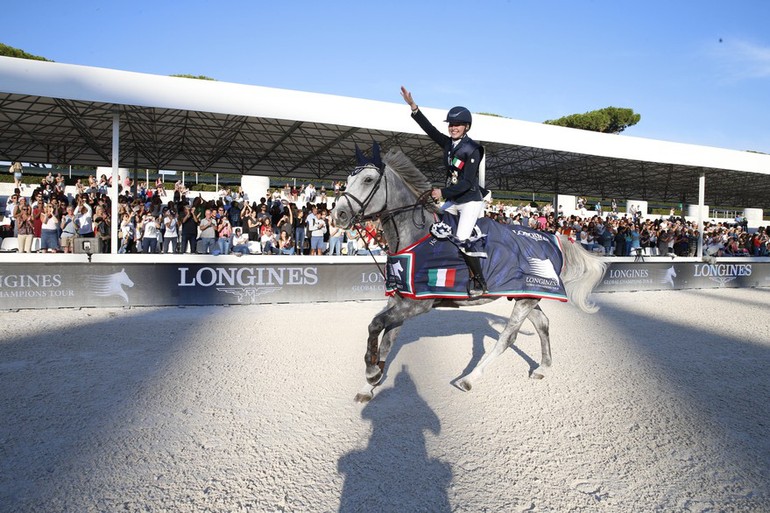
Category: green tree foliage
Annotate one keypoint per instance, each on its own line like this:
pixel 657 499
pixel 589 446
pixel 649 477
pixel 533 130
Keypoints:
pixel 611 120
pixel 10 51
pixel 196 77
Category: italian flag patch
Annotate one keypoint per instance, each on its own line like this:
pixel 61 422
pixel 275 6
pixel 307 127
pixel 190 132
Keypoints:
pixel 441 277
pixel 459 164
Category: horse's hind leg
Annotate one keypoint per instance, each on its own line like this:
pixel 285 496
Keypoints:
pixel 521 311
pixel 541 323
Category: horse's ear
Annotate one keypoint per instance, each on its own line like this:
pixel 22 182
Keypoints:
pixel 376 159
pixel 361 160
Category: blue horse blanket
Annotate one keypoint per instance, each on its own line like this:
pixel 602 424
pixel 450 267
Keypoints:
pixel 521 263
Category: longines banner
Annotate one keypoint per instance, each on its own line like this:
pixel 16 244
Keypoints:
pixel 53 285
pixel 85 285
pixel 684 275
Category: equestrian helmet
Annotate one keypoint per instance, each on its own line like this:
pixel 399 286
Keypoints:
pixel 459 115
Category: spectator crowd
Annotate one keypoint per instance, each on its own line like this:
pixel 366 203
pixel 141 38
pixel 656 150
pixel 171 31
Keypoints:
pixel 296 220
pixel 288 221
pixel 611 234
pixel 54 218
pixel 153 220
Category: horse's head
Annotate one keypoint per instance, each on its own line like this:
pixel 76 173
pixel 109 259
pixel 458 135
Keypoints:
pixel 365 195
pixel 395 192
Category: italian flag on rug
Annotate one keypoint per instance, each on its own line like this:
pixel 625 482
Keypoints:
pixel 441 278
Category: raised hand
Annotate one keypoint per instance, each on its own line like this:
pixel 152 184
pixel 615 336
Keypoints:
pixel 407 96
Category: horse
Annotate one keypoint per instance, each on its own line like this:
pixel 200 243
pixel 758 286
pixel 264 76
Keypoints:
pixel 396 192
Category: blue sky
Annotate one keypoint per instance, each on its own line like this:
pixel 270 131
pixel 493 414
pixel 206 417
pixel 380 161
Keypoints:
pixel 529 60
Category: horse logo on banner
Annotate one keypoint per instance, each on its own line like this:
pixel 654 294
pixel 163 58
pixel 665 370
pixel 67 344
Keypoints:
pixel 110 285
pixel 667 277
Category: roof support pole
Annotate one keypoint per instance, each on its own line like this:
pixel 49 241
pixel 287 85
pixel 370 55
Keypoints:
pixel 115 224
pixel 701 201
pixel 135 175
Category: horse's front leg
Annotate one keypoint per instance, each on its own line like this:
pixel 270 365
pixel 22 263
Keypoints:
pixel 375 362
pixel 390 320
pixel 372 357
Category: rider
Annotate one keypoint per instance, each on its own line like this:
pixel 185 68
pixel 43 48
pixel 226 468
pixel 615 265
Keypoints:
pixel 462 193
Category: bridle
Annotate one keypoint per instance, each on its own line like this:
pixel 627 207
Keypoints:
pixel 362 215
pixel 385 214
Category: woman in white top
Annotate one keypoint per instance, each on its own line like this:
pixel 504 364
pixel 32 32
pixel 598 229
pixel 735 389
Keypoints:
pixel 49 233
pixel 150 228
pixel 127 234
pixel 171 234
pixel 335 238
pixel 16 169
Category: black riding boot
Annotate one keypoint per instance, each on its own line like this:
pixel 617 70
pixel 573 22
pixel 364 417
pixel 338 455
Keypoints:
pixel 477 285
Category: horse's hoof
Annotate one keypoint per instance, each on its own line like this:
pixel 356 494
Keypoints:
pixel 536 375
pixel 363 398
pixel 465 385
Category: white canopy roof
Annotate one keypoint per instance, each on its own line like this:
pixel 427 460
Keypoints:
pixel 63 114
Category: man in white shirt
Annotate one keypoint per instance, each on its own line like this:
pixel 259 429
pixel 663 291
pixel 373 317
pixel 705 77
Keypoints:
pixel 83 219
pixel 317 228
pixel 10 205
pixel 208 233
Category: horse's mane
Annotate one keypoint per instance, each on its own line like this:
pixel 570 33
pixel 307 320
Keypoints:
pixel 413 177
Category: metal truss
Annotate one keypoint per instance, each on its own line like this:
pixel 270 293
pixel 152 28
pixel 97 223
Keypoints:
pixel 56 131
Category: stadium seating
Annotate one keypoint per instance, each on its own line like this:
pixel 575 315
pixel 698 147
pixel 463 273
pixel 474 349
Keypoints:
pixel 10 244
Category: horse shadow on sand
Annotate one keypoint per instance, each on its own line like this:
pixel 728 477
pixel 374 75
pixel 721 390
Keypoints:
pixel 394 473
pixel 473 325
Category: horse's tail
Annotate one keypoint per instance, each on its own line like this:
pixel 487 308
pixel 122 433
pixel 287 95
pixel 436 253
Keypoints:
pixel 582 273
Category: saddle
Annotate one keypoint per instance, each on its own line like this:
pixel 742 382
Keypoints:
pixel 520 262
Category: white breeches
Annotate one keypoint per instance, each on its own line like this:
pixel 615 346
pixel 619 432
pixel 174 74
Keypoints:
pixel 468 213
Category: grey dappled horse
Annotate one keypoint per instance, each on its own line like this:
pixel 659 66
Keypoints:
pixel 395 194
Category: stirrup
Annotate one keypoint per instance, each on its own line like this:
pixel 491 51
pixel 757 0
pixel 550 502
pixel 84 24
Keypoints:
pixel 477 287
